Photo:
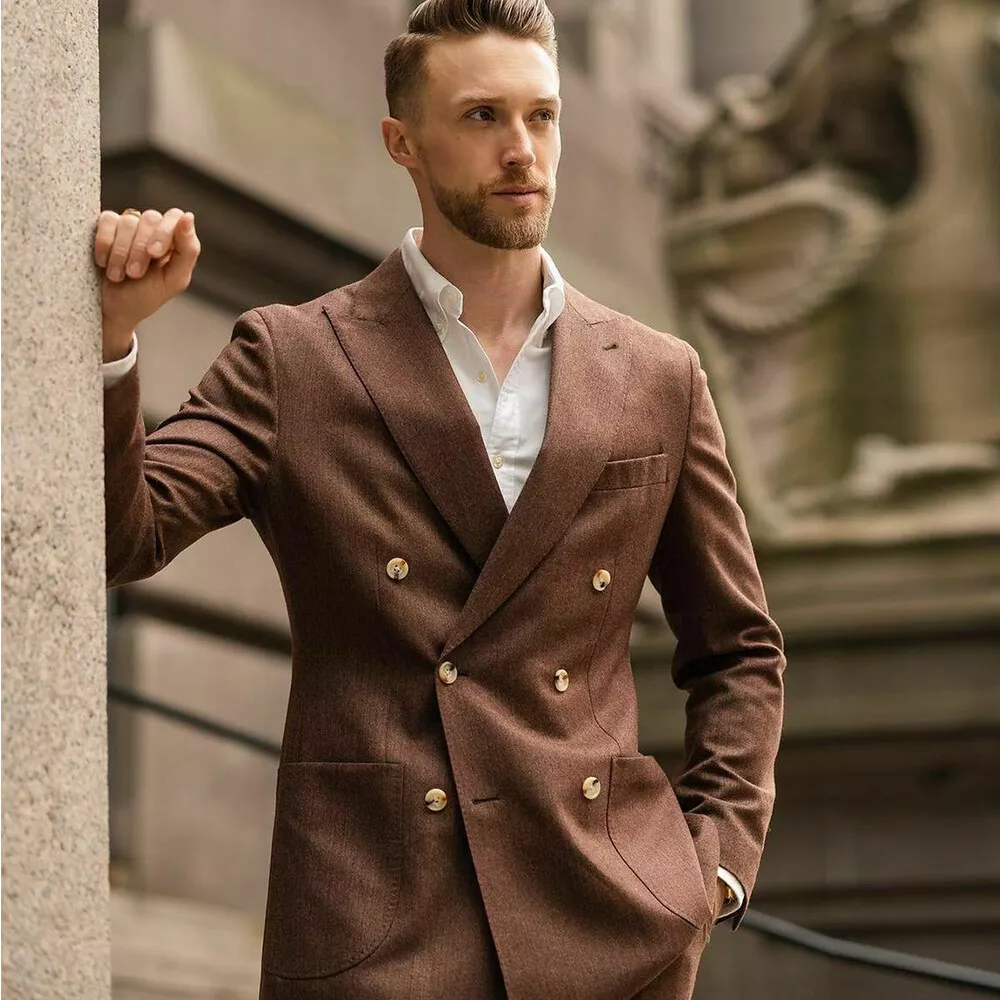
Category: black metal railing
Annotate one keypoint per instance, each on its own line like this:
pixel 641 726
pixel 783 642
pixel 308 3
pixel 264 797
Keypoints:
pixel 126 697
pixel 981 980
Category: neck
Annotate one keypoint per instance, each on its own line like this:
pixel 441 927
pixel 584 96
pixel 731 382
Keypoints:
pixel 501 289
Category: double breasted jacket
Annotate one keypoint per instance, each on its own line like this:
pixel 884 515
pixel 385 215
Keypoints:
pixel 460 759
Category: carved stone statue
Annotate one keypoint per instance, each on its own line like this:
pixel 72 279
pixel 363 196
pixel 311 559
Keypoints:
pixel 835 249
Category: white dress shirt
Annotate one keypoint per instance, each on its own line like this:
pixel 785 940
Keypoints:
pixel 512 415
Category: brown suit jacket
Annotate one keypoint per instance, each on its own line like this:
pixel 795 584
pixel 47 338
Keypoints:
pixel 338 427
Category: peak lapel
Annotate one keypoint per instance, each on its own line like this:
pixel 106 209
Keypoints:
pixel 397 354
pixel 590 358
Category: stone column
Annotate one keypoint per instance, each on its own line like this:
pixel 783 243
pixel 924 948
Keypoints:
pixel 55 812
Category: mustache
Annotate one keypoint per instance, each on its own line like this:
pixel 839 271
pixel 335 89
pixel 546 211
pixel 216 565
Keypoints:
pixel 519 178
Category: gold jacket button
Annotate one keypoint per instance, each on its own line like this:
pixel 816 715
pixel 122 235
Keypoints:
pixel 397 568
pixel 591 787
pixel 436 799
pixel 601 579
pixel 561 680
pixel 448 672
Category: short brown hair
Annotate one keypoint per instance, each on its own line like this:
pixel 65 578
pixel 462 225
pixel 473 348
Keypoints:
pixel 404 58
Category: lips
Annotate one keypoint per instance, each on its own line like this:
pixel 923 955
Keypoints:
pixel 523 197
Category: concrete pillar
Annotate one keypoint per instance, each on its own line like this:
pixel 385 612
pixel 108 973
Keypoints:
pixel 55 811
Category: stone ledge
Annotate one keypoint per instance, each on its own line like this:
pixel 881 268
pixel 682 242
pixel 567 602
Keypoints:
pixel 163 949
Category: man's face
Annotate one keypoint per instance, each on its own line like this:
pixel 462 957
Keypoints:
pixel 488 137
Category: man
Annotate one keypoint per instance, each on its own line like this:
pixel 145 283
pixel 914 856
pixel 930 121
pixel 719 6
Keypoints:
pixel 464 470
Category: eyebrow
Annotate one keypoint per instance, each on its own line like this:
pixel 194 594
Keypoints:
pixel 470 99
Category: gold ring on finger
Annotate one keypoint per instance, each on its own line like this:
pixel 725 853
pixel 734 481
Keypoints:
pixel 133 211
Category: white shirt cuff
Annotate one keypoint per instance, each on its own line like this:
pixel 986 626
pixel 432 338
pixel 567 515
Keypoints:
pixel 115 371
pixel 734 883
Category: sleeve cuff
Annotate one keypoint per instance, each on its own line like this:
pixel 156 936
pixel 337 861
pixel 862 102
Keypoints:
pixel 115 371
pixel 734 883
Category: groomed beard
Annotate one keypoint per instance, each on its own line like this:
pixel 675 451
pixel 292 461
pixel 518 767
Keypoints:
pixel 470 212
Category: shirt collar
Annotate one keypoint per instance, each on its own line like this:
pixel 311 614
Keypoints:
pixel 443 301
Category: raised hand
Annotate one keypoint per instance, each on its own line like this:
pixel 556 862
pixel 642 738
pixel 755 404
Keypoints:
pixel 146 261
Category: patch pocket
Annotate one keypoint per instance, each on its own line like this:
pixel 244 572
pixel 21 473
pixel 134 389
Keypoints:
pixel 336 860
pixel 624 473
pixel 649 831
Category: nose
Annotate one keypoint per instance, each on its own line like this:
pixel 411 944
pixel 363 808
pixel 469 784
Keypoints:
pixel 519 152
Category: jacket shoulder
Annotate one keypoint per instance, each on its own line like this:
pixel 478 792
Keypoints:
pixel 369 296
pixel 657 347
pixel 280 316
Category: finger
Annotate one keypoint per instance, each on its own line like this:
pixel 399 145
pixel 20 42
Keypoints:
pixel 104 237
pixel 187 247
pixel 125 228
pixel 138 258
pixel 161 240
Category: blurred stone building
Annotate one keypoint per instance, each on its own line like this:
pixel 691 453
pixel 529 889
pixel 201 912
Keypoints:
pixel 262 119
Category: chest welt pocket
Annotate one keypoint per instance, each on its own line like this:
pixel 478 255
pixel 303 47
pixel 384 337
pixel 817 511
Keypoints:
pixel 336 859
pixel 624 473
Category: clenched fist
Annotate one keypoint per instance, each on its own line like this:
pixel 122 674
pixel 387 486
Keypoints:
pixel 146 261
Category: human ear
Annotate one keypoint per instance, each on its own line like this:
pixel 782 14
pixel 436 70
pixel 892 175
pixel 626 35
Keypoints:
pixel 398 143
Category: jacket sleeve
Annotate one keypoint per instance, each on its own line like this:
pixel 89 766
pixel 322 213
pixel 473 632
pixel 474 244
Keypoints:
pixel 203 467
pixel 729 656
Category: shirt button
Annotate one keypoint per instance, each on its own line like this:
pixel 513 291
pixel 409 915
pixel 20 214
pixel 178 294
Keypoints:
pixel 498 461
pixel 436 799
pixel 591 787
pixel 481 376
pixel 396 568
pixel 448 672
pixel 561 680
pixel 601 579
